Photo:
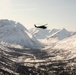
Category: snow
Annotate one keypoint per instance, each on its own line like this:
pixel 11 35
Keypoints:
pixel 61 34
pixel 68 43
pixel 43 35
pixel 40 33
pixel 9 70
pixel 58 34
pixel 34 60
pixel 29 34
pixel 63 50
pixel 16 41
pixel 49 37
pixel 15 33
pixel 10 45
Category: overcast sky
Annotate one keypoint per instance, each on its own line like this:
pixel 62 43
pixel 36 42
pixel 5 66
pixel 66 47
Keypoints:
pixel 57 13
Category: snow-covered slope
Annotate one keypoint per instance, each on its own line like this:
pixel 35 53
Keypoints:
pixel 54 31
pixel 61 34
pixel 49 37
pixel 68 43
pixel 16 33
pixel 64 49
pixel 39 33
pixel 42 33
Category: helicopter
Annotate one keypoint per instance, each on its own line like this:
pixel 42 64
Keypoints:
pixel 42 26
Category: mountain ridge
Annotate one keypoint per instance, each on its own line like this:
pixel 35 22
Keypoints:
pixel 15 33
pixel 51 33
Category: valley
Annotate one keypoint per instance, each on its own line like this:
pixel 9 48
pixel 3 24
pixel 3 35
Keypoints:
pixel 36 51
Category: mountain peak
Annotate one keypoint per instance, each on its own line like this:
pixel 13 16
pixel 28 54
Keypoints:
pixel 64 30
pixel 61 34
pixel 39 33
pixel 15 33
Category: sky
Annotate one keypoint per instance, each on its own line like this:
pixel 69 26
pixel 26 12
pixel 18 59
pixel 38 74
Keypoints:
pixel 57 13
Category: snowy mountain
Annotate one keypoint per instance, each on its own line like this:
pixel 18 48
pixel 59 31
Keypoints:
pixel 58 34
pixel 42 33
pixel 61 34
pixel 15 33
pixel 67 44
pixel 63 50
pixel 39 33
pixel 49 37
pixel 58 57
pixel 20 61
